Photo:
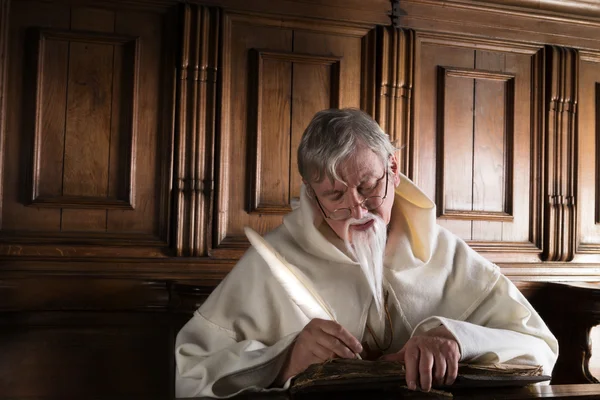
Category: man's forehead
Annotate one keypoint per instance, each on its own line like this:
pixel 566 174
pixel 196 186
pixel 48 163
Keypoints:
pixel 351 177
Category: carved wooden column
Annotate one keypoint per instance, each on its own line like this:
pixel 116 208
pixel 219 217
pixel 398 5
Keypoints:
pixel 560 161
pixel 196 103
pixel 394 91
pixel 387 91
pixel 4 12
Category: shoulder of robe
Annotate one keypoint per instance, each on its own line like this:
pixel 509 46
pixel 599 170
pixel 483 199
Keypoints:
pixel 249 285
pixel 465 262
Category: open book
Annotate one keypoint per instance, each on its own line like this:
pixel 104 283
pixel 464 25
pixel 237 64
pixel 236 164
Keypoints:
pixel 345 374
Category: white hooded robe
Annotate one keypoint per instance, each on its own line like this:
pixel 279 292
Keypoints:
pixel 238 339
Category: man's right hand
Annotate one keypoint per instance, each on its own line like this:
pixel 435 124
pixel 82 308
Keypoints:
pixel 319 341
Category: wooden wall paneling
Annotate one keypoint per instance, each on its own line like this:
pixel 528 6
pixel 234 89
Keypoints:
pixel 430 56
pixel 588 159
pixel 20 92
pixel 241 34
pixel 269 111
pixel 94 159
pixel 342 42
pixel 333 11
pixel 493 148
pixel 532 23
pixel 282 84
pixel 305 66
pixel 561 113
pixel 395 69
pixel 479 130
pixel 318 81
pixel 147 154
pixel 87 134
pixel 4 23
pixel 196 97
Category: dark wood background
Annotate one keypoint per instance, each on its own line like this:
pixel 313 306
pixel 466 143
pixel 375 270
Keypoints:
pixel 139 137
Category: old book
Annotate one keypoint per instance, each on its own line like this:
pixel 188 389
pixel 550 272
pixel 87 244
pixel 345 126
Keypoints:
pixel 344 374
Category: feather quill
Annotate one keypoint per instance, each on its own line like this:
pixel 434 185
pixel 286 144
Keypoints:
pixel 300 291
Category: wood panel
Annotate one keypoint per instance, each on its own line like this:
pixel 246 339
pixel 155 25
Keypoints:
pixel 79 173
pixel 282 84
pixel 588 172
pixel 473 114
pixel 475 141
pixel 76 73
pixel 306 67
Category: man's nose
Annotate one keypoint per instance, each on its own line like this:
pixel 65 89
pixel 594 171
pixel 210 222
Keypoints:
pixel 358 210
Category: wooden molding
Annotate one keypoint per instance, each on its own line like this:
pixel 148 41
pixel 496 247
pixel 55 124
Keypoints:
pixel 582 8
pixel 257 204
pixel 195 127
pixel 561 114
pixel 483 215
pixel 126 199
pixel 4 24
pixel 393 96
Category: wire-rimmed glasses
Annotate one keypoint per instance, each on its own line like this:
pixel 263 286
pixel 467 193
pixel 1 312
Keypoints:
pixel 369 203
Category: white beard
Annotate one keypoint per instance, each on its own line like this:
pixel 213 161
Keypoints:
pixel 368 248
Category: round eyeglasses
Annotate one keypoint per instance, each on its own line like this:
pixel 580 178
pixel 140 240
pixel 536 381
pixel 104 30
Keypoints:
pixel 370 203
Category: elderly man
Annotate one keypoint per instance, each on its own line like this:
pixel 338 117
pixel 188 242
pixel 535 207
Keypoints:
pixel 399 286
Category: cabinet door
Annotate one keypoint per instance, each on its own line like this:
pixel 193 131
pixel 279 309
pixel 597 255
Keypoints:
pixel 86 156
pixel 277 74
pixel 477 141
pixel 588 173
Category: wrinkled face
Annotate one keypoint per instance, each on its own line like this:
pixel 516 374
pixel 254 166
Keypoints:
pixel 364 174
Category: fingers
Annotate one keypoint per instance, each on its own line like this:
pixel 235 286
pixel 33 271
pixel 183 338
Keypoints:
pixel 320 353
pixel 439 370
pixel 335 346
pixel 411 363
pixel 428 361
pixel 451 370
pixel 425 370
pixel 340 333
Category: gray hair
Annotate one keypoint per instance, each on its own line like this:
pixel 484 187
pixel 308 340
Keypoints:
pixel 334 135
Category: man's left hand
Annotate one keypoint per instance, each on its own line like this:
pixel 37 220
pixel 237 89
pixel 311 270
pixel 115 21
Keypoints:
pixel 430 358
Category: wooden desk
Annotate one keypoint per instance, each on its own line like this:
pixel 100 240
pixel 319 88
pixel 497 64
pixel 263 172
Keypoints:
pixel 583 391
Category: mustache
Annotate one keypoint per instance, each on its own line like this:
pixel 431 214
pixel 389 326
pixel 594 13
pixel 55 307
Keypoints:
pixel 354 221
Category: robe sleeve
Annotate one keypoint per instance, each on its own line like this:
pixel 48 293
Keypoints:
pixel 504 327
pixel 211 362
pixel 239 338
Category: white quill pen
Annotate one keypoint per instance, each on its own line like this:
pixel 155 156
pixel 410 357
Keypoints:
pixel 300 291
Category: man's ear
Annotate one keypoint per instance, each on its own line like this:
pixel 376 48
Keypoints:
pixel 395 169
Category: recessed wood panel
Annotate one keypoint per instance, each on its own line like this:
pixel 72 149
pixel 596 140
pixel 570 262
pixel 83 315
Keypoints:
pixel 284 81
pixel 475 137
pixel 312 51
pixel 86 80
pixel 473 127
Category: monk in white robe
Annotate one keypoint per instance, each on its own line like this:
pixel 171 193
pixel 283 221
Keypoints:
pixel 399 286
